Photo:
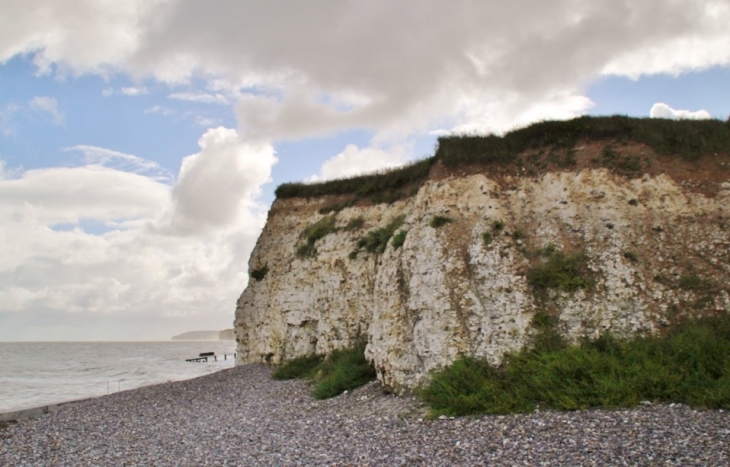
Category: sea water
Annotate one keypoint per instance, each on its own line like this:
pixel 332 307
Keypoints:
pixel 34 374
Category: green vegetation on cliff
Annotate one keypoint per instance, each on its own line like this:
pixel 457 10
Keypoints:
pixel 689 365
pixel 688 139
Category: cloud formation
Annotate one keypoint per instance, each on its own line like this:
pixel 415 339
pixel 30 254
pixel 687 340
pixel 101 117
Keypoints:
pixel 202 97
pixel 153 251
pixel 390 66
pixel 662 110
pixel 220 181
pixel 47 105
pixel 354 160
pixel 119 160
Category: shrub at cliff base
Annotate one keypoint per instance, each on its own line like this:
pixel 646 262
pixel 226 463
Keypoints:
pixel 340 371
pixel 690 365
pixel 302 367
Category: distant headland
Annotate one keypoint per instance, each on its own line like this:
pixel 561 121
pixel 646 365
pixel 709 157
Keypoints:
pixel 225 335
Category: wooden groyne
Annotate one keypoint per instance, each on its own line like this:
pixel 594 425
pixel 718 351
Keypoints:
pixel 203 357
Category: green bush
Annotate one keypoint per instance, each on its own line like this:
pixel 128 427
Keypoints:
pixel 487 238
pixel 560 271
pixel 691 365
pixel 497 226
pixel 298 368
pixel 399 239
pixel 377 240
pixel 439 221
pixel 340 371
pixel 631 256
pixel 260 272
pixel 695 283
pixel 314 232
pixel 355 224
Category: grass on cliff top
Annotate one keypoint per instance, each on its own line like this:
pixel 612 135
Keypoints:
pixel 690 365
pixel 688 139
pixel 340 371
pixel 362 186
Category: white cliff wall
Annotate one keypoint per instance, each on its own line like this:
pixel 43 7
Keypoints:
pixel 446 293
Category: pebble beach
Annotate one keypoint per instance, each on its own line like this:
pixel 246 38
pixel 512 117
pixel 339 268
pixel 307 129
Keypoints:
pixel 242 417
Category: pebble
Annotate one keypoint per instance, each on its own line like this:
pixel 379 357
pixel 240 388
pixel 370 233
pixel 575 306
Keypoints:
pixel 243 417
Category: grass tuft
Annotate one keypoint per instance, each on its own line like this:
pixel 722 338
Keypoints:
pixel 355 224
pixel 487 238
pixel 399 239
pixel 314 232
pixel 260 272
pixel 340 371
pixel 298 368
pixel 567 272
pixel 690 365
pixel 439 221
pixel 377 240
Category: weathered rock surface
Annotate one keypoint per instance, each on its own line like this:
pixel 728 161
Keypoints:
pixel 445 292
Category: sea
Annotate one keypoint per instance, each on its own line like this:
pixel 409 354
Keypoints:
pixel 34 374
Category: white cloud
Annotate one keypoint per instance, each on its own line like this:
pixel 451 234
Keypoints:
pixel 134 91
pixel 205 122
pixel 126 91
pixel 317 67
pixel 202 97
pixel 168 251
pixel 158 109
pixel 48 105
pixel 662 110
pixel 220 181
pixel 7 119
pixel 355 161
pixel 121 161
pixel 68 194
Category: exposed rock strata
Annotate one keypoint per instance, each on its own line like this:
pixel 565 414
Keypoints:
pixel 445 293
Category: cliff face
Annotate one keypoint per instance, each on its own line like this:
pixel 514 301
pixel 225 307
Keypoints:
pixel 652 249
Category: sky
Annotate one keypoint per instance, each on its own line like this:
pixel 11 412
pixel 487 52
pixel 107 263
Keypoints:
pixel 141 141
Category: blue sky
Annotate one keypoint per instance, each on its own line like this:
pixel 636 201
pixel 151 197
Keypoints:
pixel 140 149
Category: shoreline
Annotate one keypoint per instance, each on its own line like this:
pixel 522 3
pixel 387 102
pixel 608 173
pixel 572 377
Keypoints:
pixel 37 411
pixel 21 413
pixel 241 416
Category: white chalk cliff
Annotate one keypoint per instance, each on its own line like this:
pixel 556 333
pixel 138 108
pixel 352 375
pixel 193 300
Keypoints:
pixel 446 291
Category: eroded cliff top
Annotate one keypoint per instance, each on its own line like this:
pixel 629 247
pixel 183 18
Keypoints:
pixel 695 153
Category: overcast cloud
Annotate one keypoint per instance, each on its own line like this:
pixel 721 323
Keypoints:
pixel 291 69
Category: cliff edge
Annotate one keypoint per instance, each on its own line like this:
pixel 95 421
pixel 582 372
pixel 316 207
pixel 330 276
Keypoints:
pixel 607 224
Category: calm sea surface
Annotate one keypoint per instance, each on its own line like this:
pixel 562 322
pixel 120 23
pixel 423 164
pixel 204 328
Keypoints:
pixel 38 373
